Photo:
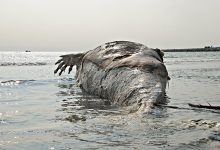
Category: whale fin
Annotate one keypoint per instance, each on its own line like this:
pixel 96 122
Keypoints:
pixel 69 60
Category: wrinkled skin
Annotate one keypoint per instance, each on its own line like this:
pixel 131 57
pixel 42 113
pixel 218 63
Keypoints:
pixel 126 73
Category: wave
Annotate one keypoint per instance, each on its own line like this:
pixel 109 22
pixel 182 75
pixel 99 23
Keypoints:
pixel 14 82
pixel 24 64
pixel 62 82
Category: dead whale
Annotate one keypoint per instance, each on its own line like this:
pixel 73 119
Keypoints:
pixel 126 73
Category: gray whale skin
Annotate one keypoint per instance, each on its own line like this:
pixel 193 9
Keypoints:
pixel 126 73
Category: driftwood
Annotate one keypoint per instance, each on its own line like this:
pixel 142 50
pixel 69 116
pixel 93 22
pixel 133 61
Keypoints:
pixel 191 105
pixel 204 106
pixel 168 106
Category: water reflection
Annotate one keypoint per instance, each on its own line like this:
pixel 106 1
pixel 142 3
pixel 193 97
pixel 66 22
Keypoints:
pixel 78 105
pixel 95 123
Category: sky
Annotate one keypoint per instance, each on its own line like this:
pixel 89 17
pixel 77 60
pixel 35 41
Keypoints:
pixel 81 25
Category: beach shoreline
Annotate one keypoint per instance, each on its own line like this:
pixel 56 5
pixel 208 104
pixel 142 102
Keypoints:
pixel 205 49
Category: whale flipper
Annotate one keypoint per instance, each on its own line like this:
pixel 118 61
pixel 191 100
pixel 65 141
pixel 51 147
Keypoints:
pixel 69 60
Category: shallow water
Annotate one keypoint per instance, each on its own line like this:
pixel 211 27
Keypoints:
pixel 39 110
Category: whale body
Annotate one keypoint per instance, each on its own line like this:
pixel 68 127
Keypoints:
pixel 126 73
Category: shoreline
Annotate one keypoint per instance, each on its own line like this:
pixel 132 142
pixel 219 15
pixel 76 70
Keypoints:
pixel 206 49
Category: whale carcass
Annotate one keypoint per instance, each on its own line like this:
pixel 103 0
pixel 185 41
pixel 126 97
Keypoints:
pixel 126 73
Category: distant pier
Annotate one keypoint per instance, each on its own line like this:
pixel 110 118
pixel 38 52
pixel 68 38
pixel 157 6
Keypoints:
pixel 205 49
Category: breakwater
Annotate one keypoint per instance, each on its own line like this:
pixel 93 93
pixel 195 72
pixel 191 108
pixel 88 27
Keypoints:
pixel 205 49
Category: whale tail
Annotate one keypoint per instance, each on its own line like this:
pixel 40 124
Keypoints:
pixel 69 60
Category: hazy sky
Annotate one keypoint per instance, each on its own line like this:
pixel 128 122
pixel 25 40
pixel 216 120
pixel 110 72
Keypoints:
pixel 74 25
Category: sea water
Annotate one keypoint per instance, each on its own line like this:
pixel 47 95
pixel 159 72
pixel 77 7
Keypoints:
pixel 40 110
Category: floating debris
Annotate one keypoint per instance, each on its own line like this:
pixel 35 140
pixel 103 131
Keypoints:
pixel 75 118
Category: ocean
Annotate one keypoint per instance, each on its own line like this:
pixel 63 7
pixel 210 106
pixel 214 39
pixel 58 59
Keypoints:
pixel 40 110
